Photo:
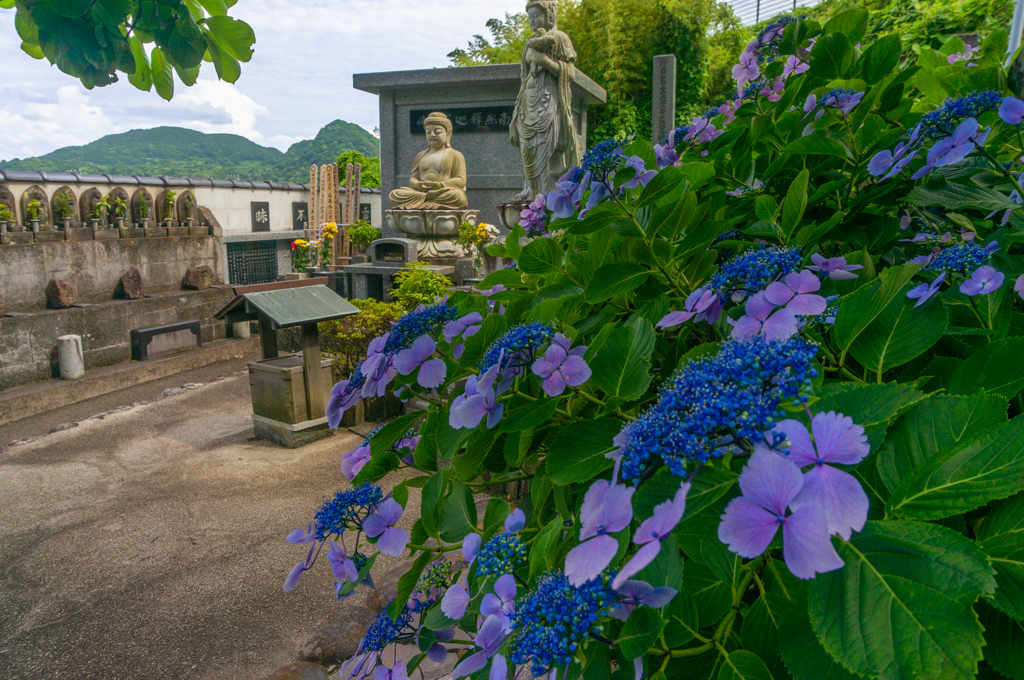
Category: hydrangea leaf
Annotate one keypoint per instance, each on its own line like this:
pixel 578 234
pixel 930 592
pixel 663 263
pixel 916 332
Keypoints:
pixel 853 23
pixel 407 582
pixel 862 306
pixel 1001 537
pixel 933 426
pixel 615 279
pixel 458 514
pixel 576 452
pixel 1004 640
pixel 801 651
pixel 546 540
pixel 541 256
pixel 899 333
pixel 869 405
pixel 621 368
pixel 901 607
pixel 880 58
pixel 743 665
pixel 965 476
pixel 996 368
pixel 832 56
pixel 640 632
pixel 530 416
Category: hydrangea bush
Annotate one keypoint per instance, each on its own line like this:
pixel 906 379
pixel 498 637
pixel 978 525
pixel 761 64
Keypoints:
pixel 762 380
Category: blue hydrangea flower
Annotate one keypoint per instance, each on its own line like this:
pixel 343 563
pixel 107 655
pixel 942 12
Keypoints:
pixel 602 159
pixel 550 622
pixel 503 554
pixel 337 513
pixel 712 400
pixel 755 269
pixel 941 122
pixel 962 258
pixel 383 631
pixel 417 322
pixel 520 345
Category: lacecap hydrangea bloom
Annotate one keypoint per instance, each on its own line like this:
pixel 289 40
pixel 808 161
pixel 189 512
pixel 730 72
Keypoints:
pixel 713 400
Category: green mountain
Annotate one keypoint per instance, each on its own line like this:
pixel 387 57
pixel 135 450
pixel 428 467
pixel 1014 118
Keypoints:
pixel 176 152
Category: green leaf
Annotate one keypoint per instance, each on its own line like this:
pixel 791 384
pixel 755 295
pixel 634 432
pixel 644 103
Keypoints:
pixel 901 607
pixel 510 278
pixel 540 256
pixel 228 68
pixel 530 416
pixel 496 512
pixel 743 665
pixel 214 7
pixel 933 426
pixel 869 405
pixel 996 368
pixel 233 36
pixel 431 497
pixel 1004 642
pixel 545 541
pixel 954 196
pixel 812 233
pixel 555 291
pixel 143 76
pixel 660 186
pixel 1001 537
pixel 711 484
pixel 853 23
pixel 425 455
pixel 965 476
pixel 621 365
pixel 401 493
pixel 615 279
pixel 640 632
pixel 816 144
pixel 899 333
pixel 681 618
pixel 576 452
pixel 390 434
pixel 480 444
pixel 881 58
pixel 796 203
pixel 864 304
pixel 512 242
pixel 458 514
pixel 766 208
pixel 407 582
pixel 801 651
pixel 598 218
pixel 163 74
pixel 831 57
pixel 492 326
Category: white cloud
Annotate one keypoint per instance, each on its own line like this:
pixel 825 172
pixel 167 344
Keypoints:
pixel 300 77
pixel 51 125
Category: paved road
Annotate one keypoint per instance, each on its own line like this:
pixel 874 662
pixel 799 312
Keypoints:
pixel 149 543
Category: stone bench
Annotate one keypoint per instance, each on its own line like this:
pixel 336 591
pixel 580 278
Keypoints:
pixel 149 343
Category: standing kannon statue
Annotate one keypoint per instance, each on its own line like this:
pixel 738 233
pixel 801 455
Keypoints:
pixel 542 126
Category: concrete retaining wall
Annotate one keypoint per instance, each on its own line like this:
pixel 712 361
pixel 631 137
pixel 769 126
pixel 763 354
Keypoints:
pixel 28 344
pixel 96 266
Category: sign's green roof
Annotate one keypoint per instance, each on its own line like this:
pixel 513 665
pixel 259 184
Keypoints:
pixel 295 306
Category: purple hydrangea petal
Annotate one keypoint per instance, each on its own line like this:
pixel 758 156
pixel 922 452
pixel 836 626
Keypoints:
pixel 469 665
pixel 437 653
pixel 294 574
pixel 747 528
pixel 589 559
pixel 499 669
pixel 470 547
pixel 617 510
pixel 745 327
pixel 515 521
pixel 838 439
pixel 374 525
pixel 491 635
pixel 391 510
pixel 432 373
pixel 575 371
pixel 644 556
pixel 770 481
pixel 554 384
pixel 781 325
pixel 839 495
pixel 505 587
pixel 591 508
pixel 800 450
pixel 1012 110
pixel 659 597
pixel 393 541
pixel 673 319
pixel 806 545
pixel 454 602
pixel 666 516
pixel 490 605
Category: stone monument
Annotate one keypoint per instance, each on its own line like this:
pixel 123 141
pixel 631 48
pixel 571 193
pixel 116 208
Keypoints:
pixel 434 204
pixel 663 111
pixel 542 130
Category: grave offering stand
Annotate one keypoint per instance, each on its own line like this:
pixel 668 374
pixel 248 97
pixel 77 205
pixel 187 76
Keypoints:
pixel 289 392
pixel 388 256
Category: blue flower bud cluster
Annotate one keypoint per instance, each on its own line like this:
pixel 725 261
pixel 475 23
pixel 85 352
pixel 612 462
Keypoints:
pixel 962 258
pixel 770 49
pixel 501 555
pixel 711 400
pixel 520 343
pixel 338 513
pixel 603 158
pixel 436 575
pixel 551 621
pixel 755 269
pixel 941 122
pixel 414 324
pixel 383 631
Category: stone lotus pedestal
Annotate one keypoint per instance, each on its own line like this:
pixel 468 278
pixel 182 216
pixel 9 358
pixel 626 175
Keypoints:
pixel 436 232
pixel 510 213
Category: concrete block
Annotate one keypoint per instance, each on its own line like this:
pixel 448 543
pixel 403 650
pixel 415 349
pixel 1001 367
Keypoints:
pixel 291 436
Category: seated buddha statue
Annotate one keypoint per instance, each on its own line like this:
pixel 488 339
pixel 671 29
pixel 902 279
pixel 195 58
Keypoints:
pixel 438 178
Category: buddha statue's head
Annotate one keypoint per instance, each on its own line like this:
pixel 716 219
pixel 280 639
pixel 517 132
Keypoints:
pixel 541 14
pixel 439 131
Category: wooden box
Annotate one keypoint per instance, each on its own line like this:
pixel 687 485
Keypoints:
pixel 279 389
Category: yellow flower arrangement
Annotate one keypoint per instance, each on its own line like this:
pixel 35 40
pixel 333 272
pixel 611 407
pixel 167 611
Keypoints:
pixel 331 228
pixel 300 243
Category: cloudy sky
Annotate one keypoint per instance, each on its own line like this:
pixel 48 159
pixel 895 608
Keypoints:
pixel 299 79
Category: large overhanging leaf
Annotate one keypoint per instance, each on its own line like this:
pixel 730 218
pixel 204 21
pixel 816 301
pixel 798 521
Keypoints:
pixel 1001 537
pixel 899 333
pixel 901 607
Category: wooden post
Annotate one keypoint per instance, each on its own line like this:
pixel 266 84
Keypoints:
pixel 268 338
pixel 316 401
